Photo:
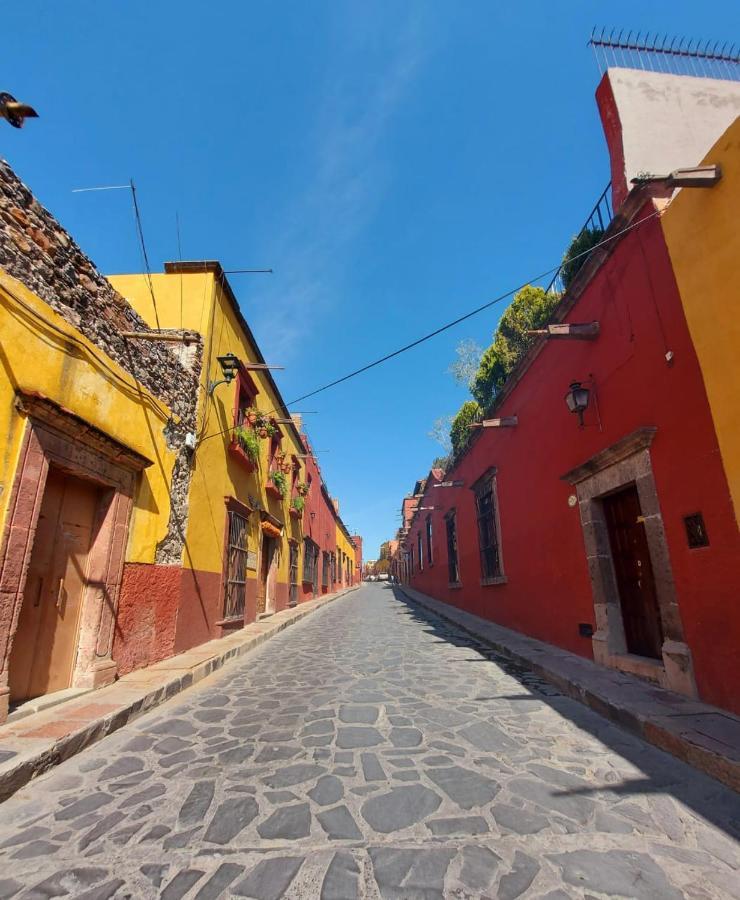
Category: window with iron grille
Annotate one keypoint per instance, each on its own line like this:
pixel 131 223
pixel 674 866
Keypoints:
pixel 293 571
pixel 488 541
pixel 452 564
pixel 236 567
pixel 324 569
pixel 420 551
pixel 333 568
pixel 429 539
pixel 310 560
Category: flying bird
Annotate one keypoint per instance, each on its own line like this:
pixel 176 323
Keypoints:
pixel 16 113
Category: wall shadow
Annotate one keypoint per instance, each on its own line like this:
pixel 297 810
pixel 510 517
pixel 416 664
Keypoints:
pixel 661 772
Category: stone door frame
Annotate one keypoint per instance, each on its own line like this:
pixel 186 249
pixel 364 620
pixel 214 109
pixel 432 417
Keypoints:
pixel 56 437
pixel 625 463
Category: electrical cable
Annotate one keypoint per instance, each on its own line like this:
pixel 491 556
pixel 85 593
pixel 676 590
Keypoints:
pixel 144 253
pixel 457 321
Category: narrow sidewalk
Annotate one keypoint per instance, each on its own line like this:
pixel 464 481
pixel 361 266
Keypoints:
pixel 704 736
pixel 33 744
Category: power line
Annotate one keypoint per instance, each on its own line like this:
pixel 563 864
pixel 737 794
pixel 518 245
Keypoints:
pixel 144 253
pixel 463 318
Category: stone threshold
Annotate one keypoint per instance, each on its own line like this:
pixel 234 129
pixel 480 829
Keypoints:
pixel 42 738
pixel 706 737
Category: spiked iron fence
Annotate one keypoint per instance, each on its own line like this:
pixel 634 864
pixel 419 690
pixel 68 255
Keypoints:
pixel 662 53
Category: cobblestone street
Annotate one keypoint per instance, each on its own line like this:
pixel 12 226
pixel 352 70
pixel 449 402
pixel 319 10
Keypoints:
pixel 371 751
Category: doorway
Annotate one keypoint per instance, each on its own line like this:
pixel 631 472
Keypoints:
pixel 44 648
pixel 638 599
pixel 293 601
pixel 265 602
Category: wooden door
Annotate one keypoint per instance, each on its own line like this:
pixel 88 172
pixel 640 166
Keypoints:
pixel 45 644
pixel 637 596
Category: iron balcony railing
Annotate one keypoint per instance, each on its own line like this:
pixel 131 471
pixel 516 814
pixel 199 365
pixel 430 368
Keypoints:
pixel 593 228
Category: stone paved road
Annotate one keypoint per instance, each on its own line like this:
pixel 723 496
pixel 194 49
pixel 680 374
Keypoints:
pixel 371 751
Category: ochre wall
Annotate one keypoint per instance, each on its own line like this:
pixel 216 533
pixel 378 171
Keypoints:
pixel 548 593
pixel 198 302
pixel 702 231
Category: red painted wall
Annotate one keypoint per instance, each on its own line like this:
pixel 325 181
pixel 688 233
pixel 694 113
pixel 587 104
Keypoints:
pixel 147 615
pixel 319 524
pixel 635 299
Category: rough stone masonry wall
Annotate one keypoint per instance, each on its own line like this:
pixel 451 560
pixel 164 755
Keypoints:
pixel 37 251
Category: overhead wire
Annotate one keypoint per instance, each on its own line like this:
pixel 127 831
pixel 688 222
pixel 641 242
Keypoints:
pixel 140 232
pixel 446 327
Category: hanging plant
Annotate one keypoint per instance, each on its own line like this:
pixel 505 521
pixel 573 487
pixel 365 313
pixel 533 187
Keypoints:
pixel 287 466
pixel 262 432
pixel 280 482
pixel 248 441
pixel 302 488
pixel 298 504
pixel 251 415
pixel 270 429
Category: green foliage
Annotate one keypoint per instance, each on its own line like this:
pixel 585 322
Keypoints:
pixel 298 503
pixel 248 441
pixel 582 242
pixel 530 309
pixel 441 462
pixel 280 481
pixel 460 434
pixel 302 488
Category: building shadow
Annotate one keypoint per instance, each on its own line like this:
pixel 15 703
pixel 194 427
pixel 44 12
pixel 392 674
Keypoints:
pixel 661 772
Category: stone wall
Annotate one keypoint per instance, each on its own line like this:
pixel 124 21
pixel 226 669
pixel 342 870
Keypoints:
pixel 35 249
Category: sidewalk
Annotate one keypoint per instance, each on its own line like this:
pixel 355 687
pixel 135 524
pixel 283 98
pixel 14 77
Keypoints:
pixel 31 745
pixel 704 736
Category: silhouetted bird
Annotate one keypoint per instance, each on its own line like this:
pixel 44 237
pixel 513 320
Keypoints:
pixel 16 113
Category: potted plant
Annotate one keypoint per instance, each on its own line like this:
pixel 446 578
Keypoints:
pixel 286 466
pixel 297 505
pixel 280 482
pixel 248 442
pixel 270 429
pixel 302 488
pixel 251 414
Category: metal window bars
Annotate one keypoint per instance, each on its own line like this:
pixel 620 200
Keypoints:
pixel 236 572
pixel 663 53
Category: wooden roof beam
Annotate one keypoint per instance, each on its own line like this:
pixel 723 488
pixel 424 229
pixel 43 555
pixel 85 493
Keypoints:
pixel 569 331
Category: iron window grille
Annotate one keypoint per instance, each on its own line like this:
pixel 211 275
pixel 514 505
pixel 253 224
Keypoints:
pixel 420 551
pixel 310 560
pixel 325 569
pixel 490 555
pixel 429 539
pixel 452 563
pixel 236 567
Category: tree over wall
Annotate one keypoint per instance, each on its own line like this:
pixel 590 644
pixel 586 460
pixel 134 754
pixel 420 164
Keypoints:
pixel 530 309
pixel 468 413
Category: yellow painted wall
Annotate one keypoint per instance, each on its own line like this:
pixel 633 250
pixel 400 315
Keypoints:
pixel 41 352
pixel 216 475
pixel 347 547
pixel 702 231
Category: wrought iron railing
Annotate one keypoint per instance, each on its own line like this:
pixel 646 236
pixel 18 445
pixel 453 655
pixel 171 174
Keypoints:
pixel 661 53
pixel 595 225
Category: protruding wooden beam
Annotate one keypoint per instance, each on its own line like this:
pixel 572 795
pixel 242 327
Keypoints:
pixel 569 331
pixel 449 484
pixel 185 337
pixel 259 367
pixel 503 422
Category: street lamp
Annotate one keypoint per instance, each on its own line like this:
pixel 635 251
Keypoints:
pixel 230 365
pixel 577 400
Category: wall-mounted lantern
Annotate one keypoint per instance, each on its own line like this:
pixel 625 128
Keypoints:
pixel 577 400
pixel 230 365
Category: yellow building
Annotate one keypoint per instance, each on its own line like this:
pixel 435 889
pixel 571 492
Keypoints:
pixel 92 427
pixel 703 239
pixel 246 551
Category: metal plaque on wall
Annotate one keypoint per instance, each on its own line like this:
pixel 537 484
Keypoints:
pixel 251 559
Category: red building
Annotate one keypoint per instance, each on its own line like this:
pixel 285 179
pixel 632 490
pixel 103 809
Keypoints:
pixel 617 539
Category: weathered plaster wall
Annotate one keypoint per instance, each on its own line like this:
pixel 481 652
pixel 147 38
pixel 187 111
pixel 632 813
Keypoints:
pixel 655 122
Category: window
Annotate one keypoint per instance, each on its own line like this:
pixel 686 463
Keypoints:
pixel 429 539
pixel 452 564
pixel 236 567
pixel 420 551
pixel 310 560
pixel 488 541
pixel 293 573
pixel 246 397
pixel 411 561
pixel 333 568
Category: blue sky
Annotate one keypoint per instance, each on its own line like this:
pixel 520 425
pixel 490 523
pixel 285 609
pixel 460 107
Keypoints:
pixel 395 163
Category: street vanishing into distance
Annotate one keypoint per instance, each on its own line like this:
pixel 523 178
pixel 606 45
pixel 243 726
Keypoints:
pixel 371 750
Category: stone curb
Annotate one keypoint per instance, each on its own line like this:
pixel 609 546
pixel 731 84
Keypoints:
pixel 662 720
pixel 40 755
